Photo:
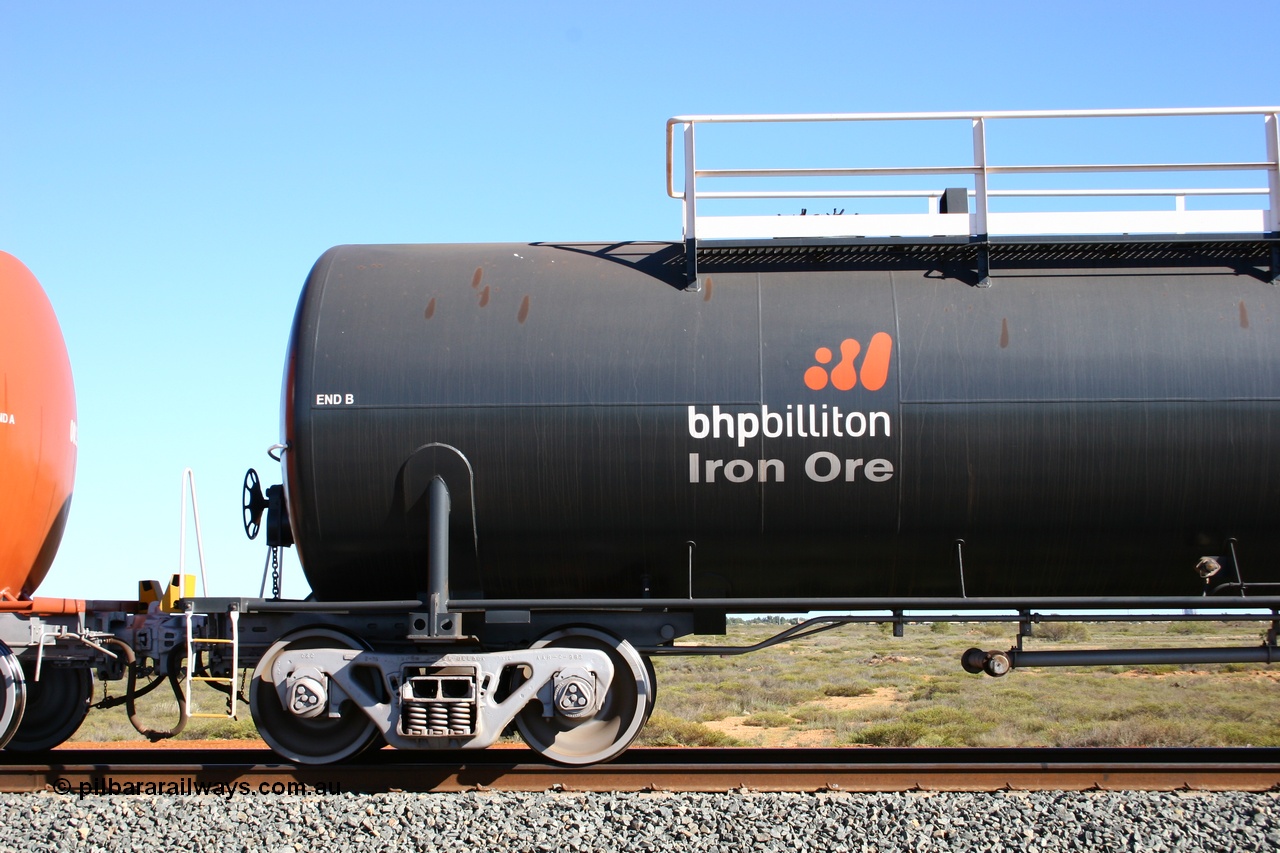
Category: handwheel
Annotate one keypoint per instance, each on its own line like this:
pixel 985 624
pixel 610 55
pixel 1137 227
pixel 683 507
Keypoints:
pixel 13 694
pixel 253 504
pixel 307 740
pixel 56 706
pixel 612 729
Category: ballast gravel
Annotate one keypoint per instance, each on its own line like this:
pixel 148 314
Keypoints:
pixel 716 823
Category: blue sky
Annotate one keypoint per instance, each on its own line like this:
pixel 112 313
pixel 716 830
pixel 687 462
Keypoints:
pixel 171 171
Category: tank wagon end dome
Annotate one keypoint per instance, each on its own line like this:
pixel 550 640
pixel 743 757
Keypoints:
pixel 37 431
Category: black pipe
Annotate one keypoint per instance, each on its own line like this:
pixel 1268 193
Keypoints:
pixel 442 622
pixel 264 605
pixel 799 605
pixel 438 547
pixel 1131 657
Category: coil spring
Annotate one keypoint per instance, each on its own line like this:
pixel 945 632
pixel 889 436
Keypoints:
pixel 422 718
pixel 460 719
pixel 438 717
pixel 415 719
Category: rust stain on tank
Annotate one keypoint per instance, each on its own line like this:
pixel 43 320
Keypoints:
pixel 1244 316
pixel 484 296
pixel 1004 332
pixel 524 311
pixel 431 308
pixel 706 290
pixel 477 277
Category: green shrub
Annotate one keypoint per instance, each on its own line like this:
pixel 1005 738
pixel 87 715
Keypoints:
pixel 1061 632
pixel 666 730
pixel 900 733
pixel 939 725
pixel 1133 732
pixel 1189 628
pixel 932 689
pixel 1238 667
pixel 848 688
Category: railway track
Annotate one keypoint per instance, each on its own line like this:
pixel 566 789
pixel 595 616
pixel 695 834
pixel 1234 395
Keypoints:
pixel 108 771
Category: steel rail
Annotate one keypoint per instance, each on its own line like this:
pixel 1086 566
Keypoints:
pixel 82 772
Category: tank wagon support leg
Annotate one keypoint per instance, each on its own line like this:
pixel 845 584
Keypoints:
pixel 441 624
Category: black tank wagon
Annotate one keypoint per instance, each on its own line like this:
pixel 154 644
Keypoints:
pixel 515 472
pixel 1087 428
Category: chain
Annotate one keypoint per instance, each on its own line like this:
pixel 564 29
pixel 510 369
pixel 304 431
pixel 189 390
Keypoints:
pixel 275 573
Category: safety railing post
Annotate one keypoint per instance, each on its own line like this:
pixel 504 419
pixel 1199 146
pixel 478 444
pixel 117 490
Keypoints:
pixel 1272 125
pixel 690 208
pixel 980 178
pixel 980 230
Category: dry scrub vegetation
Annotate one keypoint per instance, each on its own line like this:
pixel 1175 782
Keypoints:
pixel 859 685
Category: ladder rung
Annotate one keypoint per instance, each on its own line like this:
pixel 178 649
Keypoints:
pixel 233 641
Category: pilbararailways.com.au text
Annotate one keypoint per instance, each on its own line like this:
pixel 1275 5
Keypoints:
pixel 188 786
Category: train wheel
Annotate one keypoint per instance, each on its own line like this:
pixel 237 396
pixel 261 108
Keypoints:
pixel 307 740
pixel 612 729
pixel 13 694
pixel 56 706
pixel 652 686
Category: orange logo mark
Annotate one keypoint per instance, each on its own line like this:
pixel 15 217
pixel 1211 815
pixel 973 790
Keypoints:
pixel 844 376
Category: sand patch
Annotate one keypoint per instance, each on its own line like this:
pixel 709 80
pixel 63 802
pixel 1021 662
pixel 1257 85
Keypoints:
pixel 773 736
pixel 1252 674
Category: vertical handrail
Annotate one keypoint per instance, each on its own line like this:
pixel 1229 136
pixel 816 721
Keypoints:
pixel 189 477
pixel 980 176
pixel 187 616
pixel 234 615
pixel 690 184
pixel 1271 125
pixel 690 210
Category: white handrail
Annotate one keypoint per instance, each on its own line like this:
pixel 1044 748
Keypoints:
pixel 1152 192
pixel 981 169
pixel 189 479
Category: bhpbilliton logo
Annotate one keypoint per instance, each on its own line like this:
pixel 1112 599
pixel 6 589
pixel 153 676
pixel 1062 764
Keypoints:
pixel 847 372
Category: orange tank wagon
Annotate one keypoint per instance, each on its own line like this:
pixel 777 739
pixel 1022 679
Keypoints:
pixel 37 431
